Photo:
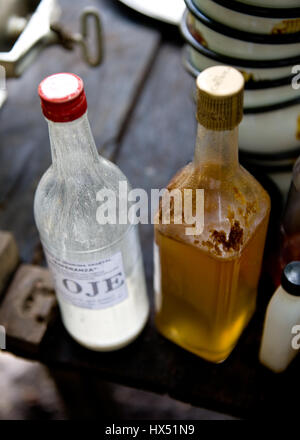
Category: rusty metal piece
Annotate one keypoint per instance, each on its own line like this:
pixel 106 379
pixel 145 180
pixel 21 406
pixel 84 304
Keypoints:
pixel 43 29
pixel 93 57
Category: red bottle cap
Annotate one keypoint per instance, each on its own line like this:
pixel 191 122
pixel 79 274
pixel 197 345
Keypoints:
pixel 62 97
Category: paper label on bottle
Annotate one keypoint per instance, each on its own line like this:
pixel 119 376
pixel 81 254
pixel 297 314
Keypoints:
pixel 97 285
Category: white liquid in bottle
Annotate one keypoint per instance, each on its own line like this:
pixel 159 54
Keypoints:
pixel 97 268
pixel 283 316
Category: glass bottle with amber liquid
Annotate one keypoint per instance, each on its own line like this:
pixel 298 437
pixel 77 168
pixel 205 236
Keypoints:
pixel 206 284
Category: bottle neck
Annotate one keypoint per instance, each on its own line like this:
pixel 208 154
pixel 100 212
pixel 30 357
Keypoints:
pixel 73 147
pixel 218 148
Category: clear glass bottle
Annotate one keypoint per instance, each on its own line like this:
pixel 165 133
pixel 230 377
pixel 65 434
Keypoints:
pixel 290 228
pixel 206 284
pixel 97 268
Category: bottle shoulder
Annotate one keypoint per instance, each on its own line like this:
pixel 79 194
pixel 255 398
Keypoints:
pixel 282 303
pixel 66 208
pixel 236 206
pixel 235 183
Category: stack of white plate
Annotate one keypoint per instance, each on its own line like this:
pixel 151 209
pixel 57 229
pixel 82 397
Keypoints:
pixel 262 39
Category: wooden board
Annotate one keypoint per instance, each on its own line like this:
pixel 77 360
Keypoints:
pixel 161 136
pixel 9 258
pixel 151 138
pixel 28 308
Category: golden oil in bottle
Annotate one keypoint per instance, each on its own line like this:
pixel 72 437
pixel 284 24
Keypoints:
pixel 206 285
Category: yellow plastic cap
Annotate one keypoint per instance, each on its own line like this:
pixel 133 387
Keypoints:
pixel 220 98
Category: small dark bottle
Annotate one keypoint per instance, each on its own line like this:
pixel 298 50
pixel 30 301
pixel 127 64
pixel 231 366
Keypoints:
pixel 290 227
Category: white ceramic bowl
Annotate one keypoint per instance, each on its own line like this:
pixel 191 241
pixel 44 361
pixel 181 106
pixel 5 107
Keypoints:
pixel 279 171
pixel 256 94
pixel 270 163
pixel 245 18
pixel 276 131
pixel 280 174
pixel 271 3
pixel 201 62
pixel 231 43
pixel 271 132
pixel 201 58
pixel 282 180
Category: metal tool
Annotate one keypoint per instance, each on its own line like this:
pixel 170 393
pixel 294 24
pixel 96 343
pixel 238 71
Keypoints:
pixel 43 29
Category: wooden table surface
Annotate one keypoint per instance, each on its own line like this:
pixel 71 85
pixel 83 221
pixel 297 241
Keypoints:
pixel 142 116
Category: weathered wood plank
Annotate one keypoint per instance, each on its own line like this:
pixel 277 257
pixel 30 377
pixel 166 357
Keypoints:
pixel 9 258
pixel 160 139
pixel 161 136
pixel 112 90
pixel 28 307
